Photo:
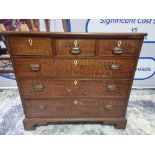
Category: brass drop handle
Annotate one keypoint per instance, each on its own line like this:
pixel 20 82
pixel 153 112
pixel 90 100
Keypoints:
pixel 38 88
pixel 114 67
pixel 75 49
pixel 118 50
pixel 30 42
pixel 34 67
pixel 108 107
pixel 41 107
pixel 111 88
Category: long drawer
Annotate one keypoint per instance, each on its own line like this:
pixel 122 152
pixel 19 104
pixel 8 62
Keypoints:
pixel 47 67
pixel 75 107
pixel 48 87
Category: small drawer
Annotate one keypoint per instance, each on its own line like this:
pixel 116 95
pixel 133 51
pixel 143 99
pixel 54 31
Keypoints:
pixel 75 47
pixel 48 67
pixel 120 47
pixel 59 87
pixel 30 46
pixel 68 108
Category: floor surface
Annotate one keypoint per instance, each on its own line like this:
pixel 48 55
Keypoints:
pixel 140 115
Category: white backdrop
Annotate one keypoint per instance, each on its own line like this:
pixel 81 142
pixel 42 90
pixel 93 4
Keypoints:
pixel 145 74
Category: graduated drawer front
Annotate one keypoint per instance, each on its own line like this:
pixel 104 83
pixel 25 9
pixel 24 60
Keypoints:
pixel 73 107
pixel 127 47
pixel 44 67
pixel 64 47
pixel 30 46
pixel 74 87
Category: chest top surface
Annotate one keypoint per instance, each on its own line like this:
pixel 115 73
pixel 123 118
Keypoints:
pixel 71 34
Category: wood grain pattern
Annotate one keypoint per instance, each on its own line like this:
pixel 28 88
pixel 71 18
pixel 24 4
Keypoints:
pixel 63 47
pixel 76 107
pixel 67 87
pixel 131 47
pixel 21 46
pixel 83 68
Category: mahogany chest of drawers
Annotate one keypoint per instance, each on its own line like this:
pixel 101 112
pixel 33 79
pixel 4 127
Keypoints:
pixel 74 77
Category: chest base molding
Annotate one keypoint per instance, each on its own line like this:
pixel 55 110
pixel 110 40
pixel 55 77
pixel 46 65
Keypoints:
pixel 31 123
